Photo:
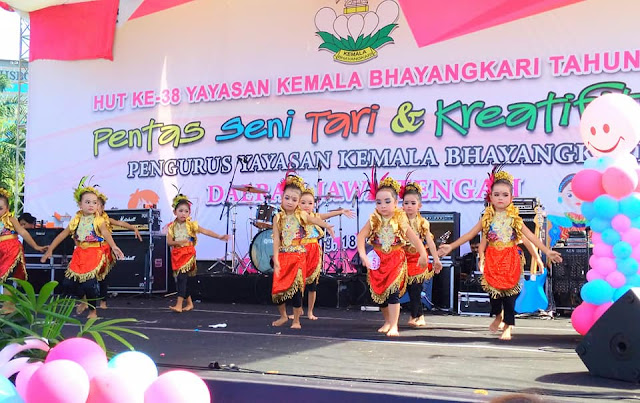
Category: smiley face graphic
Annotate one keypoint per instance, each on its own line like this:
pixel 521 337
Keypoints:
pixel 610 125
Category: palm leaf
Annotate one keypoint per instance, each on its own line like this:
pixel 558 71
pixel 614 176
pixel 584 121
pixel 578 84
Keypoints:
pixel 381 41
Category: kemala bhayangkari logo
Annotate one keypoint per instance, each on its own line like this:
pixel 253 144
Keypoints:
pixel 354 35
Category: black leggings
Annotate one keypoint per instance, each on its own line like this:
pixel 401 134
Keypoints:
pixel 312 287
pixel 104 288
pixel 394 298
pixel 415 299
pixel 76 289
pixel 506 304
pixel 181 285
pixel 296 300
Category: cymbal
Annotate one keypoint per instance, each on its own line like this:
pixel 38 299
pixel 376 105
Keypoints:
pixel 248 188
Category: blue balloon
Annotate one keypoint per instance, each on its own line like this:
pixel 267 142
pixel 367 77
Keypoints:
pixel 597 292
pixel 606 206
pixel 588 211
pixel 633 280
pixel 622 250
pixel 603 162
pixel 630 206
pixel 590 163
pixel 635 223
pixel 620 292
pixel 8 392
pixel 628 266
pixel 610 236
pixel 600 224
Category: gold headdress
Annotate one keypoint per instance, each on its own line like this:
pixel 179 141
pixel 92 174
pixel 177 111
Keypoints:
pixel 410 186
pixel 4 192
pixel 388 181
pixel 290 178
pixel 179 198
pixel 497 174
pixel 84 187
pixel 309 190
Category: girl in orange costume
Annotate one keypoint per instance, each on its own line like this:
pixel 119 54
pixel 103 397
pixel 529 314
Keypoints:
pixel 500 257
pixel 289 253
pixel 388 230
pixel 411 194
pixel 182 237
pixel 11 251
pixel 89 230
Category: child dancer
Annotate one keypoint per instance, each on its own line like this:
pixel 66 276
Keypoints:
pixel 182 237
pixel 388 231
pixel 103 274
pixel 11 252
pixel 313 234
pixel 89 230
pixel 411 195
pixel 500 258
pixel 289 253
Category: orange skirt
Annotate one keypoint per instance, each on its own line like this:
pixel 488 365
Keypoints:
pixel 415 273
pixel 110 261
pixel 290 278
pixel 183 260
pixel 12 260
pixel 390 277
pixel 502 271
pixel 314 262
pixel 85 263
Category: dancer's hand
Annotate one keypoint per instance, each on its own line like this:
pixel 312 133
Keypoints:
pixel 42 249
pixel 224 237
pixel 423 261
pixel 444 250
pixel 554 257
pixel 481 263
pixel 185 242
pixel 45 257
pixel 118 253
pixel 330 231
pixel 348 213
pixel 437 265
pixel 365 262
pixel 137 234
pixel 276 267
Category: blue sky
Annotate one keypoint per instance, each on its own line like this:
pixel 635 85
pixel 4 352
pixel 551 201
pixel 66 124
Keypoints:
pixel 9 35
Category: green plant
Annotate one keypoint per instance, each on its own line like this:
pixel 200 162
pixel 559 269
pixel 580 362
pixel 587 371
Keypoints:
pixel 45 315
pixel 335 44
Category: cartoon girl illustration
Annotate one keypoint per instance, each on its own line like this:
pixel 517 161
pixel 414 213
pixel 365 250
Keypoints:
pixel 573 220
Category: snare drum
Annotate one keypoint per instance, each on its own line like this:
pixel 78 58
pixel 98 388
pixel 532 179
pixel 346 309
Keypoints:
pixel 262 251
pixel 264 216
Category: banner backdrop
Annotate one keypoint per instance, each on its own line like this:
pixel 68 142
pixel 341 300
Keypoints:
pixel 206 89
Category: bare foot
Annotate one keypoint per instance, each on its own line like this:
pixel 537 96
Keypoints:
pixel 411 322
pixel 393 332
pixel 103 305
pixel 290 316
pixel 280 321
pixel 188 308
pixel 385 328
pixel 506 333
pixel 176 308
pixel 311 316
pixel 501 326
pixel 495 325
pixel 420 322
pixel 81 307
pixel 92 314
pixel 296 325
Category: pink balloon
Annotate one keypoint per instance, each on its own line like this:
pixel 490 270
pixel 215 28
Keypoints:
pixel 601 309
pixel 603 250
pixel 22 380
pixel 596 237
pixel 178 387
pixel 637 189
pixel 616 279
pixel 619 182
pixel 85 352
pixel 621 223
pixel 632 236
pixel 594 275
pixel 606 265
pixel 587 185
pixel 114 387
pixel 59 381
pixel 582 317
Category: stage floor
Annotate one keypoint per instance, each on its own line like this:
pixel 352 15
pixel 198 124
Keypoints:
pixel 456 358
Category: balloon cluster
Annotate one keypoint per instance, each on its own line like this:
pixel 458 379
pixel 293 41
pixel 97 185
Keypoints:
pixel 77 371
pixel 609 186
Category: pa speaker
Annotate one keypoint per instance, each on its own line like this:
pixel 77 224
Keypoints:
pixel 611 348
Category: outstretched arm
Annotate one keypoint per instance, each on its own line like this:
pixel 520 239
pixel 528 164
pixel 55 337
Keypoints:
pixel 212 234
pixel 127 226
pixel 26 235
pixel 342 211
pixel 107 236
pixel 321 223
pixel 437 265
pixel 553 256
pixel 447 248
pixel 57 241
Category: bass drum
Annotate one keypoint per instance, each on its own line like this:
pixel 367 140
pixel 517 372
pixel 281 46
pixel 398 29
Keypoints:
pixel 262 251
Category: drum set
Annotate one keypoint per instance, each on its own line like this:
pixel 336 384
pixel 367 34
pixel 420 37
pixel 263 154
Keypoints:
pixel 260 252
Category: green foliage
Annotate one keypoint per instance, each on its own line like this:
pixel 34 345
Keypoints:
pixel 45 315
pixel 335 44
pixel 10 136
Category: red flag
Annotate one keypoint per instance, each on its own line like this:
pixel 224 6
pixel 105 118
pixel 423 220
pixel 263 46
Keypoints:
pixel 153 6
pixel 74 31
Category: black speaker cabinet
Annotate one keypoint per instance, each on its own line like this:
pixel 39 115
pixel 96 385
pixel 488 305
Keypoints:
pixel 44 236
pixel 611 349
pixel 144 268
pixel 441 222
pixel 444 293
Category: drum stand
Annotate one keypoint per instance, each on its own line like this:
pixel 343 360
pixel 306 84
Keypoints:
pixel 341 262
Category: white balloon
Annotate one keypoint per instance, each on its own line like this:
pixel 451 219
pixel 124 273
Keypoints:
pixel 370 23
pixel 324 19
pixel 355 25
pixel 388 12
pixel 340 26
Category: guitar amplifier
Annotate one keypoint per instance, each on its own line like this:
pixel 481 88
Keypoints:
pixel 44 236
pixel 144 268
pixel 527 204
pixel 568 277
pixel 145 220
pixel 440 222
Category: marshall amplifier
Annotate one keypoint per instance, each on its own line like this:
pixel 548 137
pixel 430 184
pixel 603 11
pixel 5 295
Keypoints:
pixel 442 222
pixel 144 267
pixel 44 236
pixel 527 204
pixel 145 220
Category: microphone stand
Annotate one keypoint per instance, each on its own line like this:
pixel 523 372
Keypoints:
pixel 226 206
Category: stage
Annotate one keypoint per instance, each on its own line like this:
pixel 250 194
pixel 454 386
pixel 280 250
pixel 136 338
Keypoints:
pixel 342 357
